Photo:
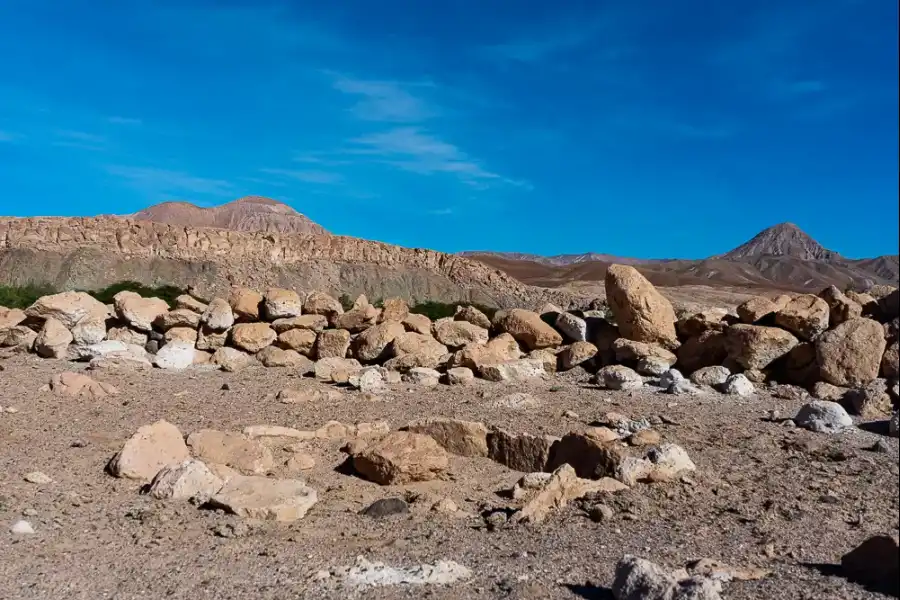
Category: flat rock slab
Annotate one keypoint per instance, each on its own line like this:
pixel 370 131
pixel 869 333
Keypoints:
pixel 255 497
pixel 235 450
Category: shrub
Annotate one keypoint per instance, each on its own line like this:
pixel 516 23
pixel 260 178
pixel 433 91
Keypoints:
pixel 165 292
pixel 438 310
pixel 23 296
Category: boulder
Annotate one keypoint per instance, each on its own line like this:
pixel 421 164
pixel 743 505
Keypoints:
pixel 738 385
pixel 207 339
pixel 711 376
pixel 234 450
pixel 517 370
pixel 181 334
pixel 68 308
pixel 652 367
pixel 890 361
pixel 393 309
pixel 10 317
pixel 639 579
pixel 851 353
pixel 500 349
pixel 841 308
pixel 356 320
pixel 422 376
pixel 871 401
pixel 402 457
pixel 619 377
pixel 417 323
pixel 698 323
pixel 527 328
pixel 822 416
pixel 576 354
pixel 121 361
pixel 190 303
pixel 574 328
pixel 629 351
pixel 805 315
pixel 472 315
pixel 755 346
pixel 456 334
pixel 326 368
pixel 183 481
pixel 218 315
pixel 591 457
pixel 520 452
pixel 252 337
pixel 546 357
pixel 150 449
pixel 74 385
pixel 562 487
pixel 265 499
pixel 126 336
pixel 314 323
pixel 180 317
pixel 799 365
pixel 299 340
pixel 53 340
pixel 418 349
pixel 641 312
pixel 463 438
pixel 756 309
pixel 367 380
pixel 705 350
pixel 245 303
pixel 279 357
pixel 372 344
pixel 825 391
pixel 320 303
pixel 460 376
pixel 175 355
pixel 280 303
pixel 92 351
pixel 232 359
pixel 91 329
pixel 138 312
pixel 332 343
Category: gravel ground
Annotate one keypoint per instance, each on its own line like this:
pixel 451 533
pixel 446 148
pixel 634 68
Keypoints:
pixel 765 495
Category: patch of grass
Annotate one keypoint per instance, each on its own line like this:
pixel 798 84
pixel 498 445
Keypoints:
pixel 23 296
pixel 165 292
pixel 438 310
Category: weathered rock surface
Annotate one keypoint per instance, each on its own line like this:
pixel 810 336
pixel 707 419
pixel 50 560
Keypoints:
pixel 53 340
pixel 642 313
pixel 619 377
pixel 527 328
pixel 68 308
pixel 332 343
pixel 851 353
pixel 139 312
pixel 150 449
pixel 234 450
pixel 253 497
pixel 517 370
pixel 756 347
pixel 402 457
pixel 576 354
pixel 455 333
pixel 185 480
pixel 252 337
pixel 218 315
pixel 822 416
pixel 77 384
pixel 521 452
pixel 755 309
pixel 463 438
pixel 805 315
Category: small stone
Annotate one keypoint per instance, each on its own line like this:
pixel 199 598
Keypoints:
pixel 823 417
pixel 21 528
pixel 645 437
pixel 38 478
pixel 712 376
pixel 385 508
pixel 738 385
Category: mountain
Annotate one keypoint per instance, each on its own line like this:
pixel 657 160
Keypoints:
pixel 784 239
pixel 558 260
pixel 250 213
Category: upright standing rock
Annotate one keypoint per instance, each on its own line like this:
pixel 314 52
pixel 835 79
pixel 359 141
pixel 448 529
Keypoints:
pixel 53 340
pixel 641 312
pixel 851 353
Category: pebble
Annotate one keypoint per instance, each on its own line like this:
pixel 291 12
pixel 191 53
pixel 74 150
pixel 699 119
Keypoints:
pixel 22 528
pixel 38 478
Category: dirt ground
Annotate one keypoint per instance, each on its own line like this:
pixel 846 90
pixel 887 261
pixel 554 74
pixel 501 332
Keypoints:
pixel 764 495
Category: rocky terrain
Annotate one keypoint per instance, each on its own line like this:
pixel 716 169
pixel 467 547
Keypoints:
pixel 251 213
pixel 271 444
pixel 781 257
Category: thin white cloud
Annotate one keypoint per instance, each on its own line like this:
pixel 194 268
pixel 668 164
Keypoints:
pixel 81 140
pixel 124 121
pixel 384 101
pixel 163 182
pixel 306 175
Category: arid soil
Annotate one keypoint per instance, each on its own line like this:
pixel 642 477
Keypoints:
pixel 764 495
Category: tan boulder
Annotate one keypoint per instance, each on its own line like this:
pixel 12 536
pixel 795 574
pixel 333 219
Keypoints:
pixel 867 301
pixel 514 370
pixel 755 309
pixel 279 357
pixel 372 344
pixel 332 343
pixel 806 316
pixel 472 315
pixel 77 384
pixel 549 358
pixel 180 317
pixel 460 376
pixel 456 334
pixel 91 329
pixel 10 317
pixel 527 328
pixel 871 401
pixel 417 323
pixel 890 362
pixel 463 438
pixel 53 340
pixel 18 337
pixel 699 323
pixel 68 308
pixel 207 339
pixel 755 346
pixel 231 359
pixel 181 334
pixel 851 353
pixel 320 303
pixel 356 320
pixel 629 351
pixel 252 337
pixel 245 303
pixel 326 368
pixel 150 449
pixel 310 322
pixel 127 336
pixel 520 452
pixel 183 481
pixel 393 309
pixel 300 340
pixel 641 312
pixel 841 307
pixel 576 354
pixel 190 303
pixel 591 457
pixel 402 457
pixel 562 487
pixel 218 315
pixel 234 450
pixel 423 350
pixel 138 312
pixel 265 499
pixel 279 303
pixel 500 349
pixel 704 350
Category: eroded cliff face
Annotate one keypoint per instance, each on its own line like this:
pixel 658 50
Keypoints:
pixel 94 252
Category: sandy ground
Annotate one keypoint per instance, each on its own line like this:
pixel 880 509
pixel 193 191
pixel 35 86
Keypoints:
pixel 764 495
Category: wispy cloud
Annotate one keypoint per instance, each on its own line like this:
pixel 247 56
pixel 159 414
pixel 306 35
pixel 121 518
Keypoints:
pixel 306 175
pixel 162 182
pixel 124 121
pixel 417 151
pixel 83 140
pixel 385 101
pixel 441 212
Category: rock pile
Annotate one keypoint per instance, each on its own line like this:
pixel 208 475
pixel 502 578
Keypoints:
pixel 804 340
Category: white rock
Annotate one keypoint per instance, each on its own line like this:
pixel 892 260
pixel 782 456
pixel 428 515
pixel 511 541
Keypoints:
pixel 370 574
pixel 711 376
pixel 822 416
pixel 256 497
pixel 516 370
pixel 422 376
pixel 182 481
pixel 368 380
pixel 671 376
pixel 38 478
pixel 175 355
pixel 574 328
pixel 738 385
pixel 21 528
pixel 91 351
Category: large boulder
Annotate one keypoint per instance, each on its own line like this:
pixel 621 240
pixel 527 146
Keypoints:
pixel 180 317
pixel 356 320
pixel 641 312
pixel 515 370
pixel 871 401
pixel 755 346
pixel 265 499
pixel 245 303
pixel 823 416
pixel 218 315
pixel 500 349
pixel 280 303
pixel 629 351
pixel 619 377
pixel 575 354
pixel 234 450
pixel 139 312
pixel 841 307
pixel 68 308
pixel 10 317
pixel 181 334
pixel 231 360
pixel 851 353
pixel 18 337
pixel 755 309
pixel 527 328
pixel 410 350
pixel 320 303
pixel 185 480
pixel 372 344
pixel 393 309
pixel 705 350
pixel 402 457
pixel 175 355
pixel 521 452
pixel 713 319
pixel 806 316
pixel 150 449
pixel 418 323
pixel 573 327
pixel 53 340
pixel 252 337
pixel 299 340
pixel 332 343
pixel 463 438
pixel 472 315
pixel 458 333
pixel 91 329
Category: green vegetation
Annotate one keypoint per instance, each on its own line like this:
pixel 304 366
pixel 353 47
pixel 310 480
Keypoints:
pixel 25 295
pixel 438 310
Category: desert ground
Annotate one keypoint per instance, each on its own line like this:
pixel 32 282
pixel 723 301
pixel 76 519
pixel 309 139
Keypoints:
pixel 765 494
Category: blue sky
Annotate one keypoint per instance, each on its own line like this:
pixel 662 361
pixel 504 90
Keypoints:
pixel 665 128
